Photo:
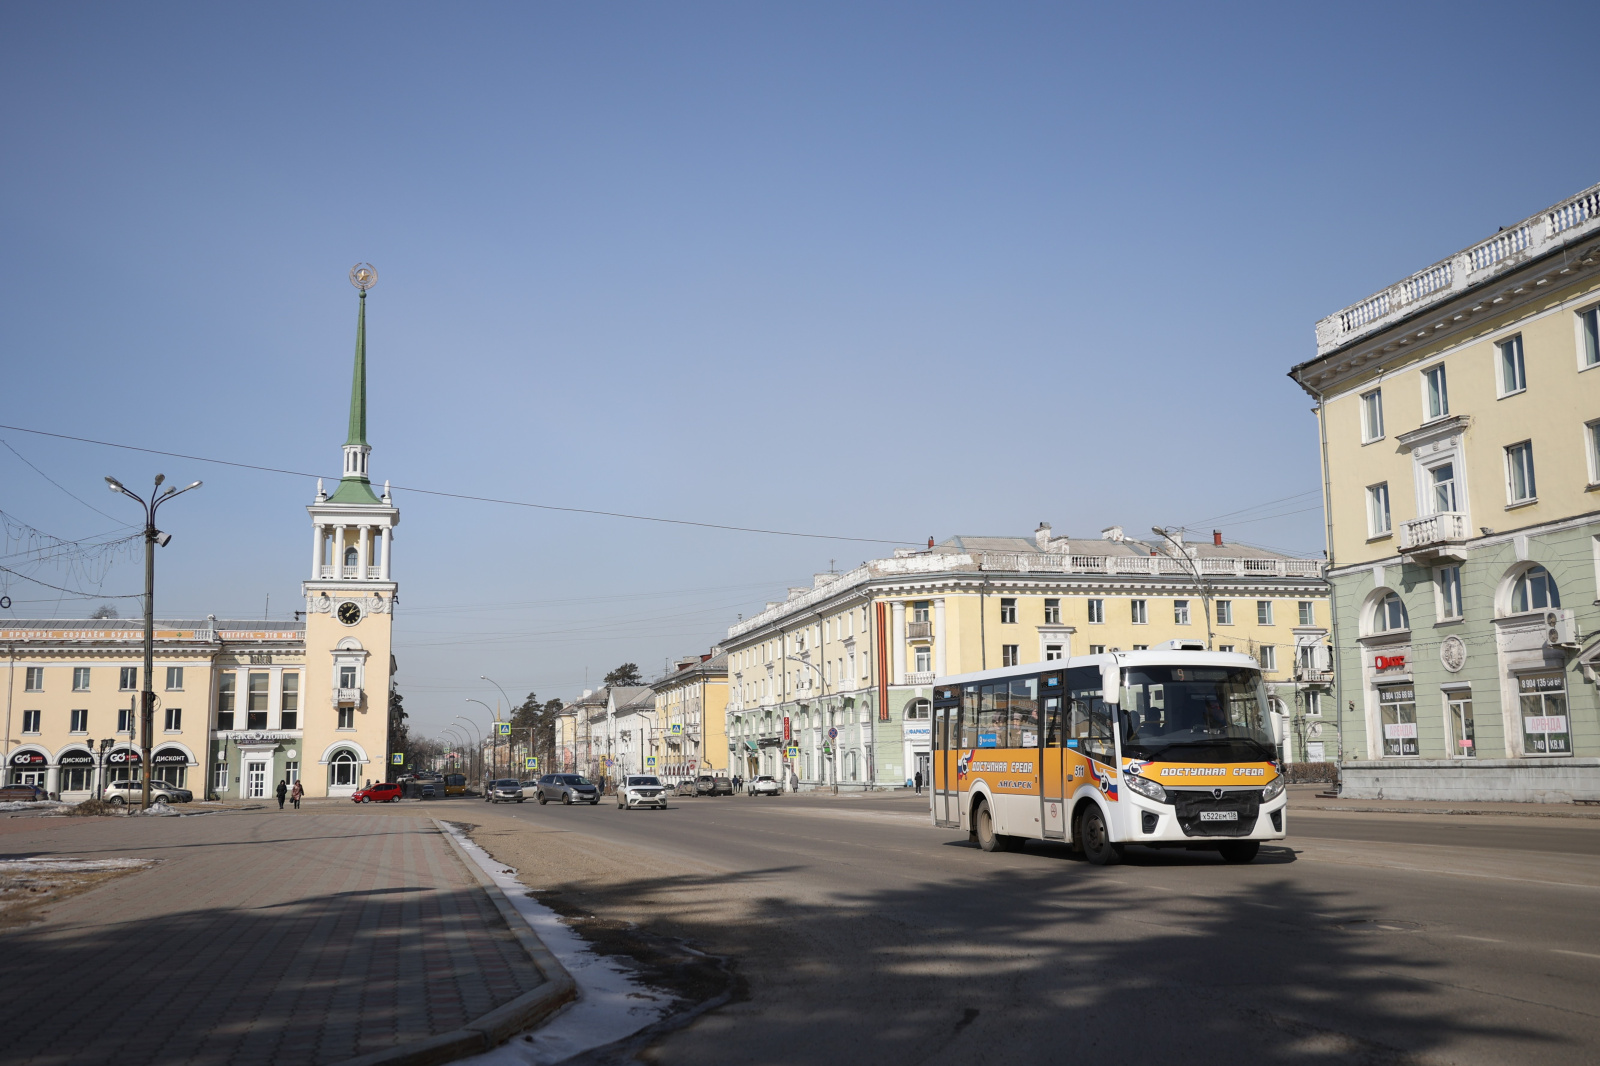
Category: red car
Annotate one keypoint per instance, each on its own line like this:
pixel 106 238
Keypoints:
pixel 387 792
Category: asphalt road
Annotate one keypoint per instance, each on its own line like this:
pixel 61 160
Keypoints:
pixel 867 935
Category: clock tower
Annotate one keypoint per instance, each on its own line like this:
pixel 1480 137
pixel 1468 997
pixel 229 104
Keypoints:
pixel 350 598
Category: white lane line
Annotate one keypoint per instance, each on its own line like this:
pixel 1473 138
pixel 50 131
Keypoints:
pixel 1434 871
pixel 1580 954
pixel 1485 939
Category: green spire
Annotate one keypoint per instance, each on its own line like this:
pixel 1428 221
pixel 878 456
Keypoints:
pixel 358 386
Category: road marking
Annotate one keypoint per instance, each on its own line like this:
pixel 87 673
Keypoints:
pixel 1581 954
pixel 1451 873
pixel 1485 939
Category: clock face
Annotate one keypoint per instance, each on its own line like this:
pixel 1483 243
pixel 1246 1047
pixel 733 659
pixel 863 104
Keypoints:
pixel 349 612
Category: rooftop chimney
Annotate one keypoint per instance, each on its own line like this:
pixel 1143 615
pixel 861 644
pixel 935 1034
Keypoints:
pixel 1216 537
pixel 1041 536
pixel 930 544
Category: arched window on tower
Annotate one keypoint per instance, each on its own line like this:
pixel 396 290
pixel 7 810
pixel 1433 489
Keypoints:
pixel 1535 590
pixel 351 556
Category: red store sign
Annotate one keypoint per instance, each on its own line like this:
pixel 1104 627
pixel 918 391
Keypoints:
pixel 1389 662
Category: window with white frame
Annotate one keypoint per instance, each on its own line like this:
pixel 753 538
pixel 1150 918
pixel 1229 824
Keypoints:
pixel 1052 652
pixel 1449 583
pixel 125 719
pixel 1263 612
pixel 1372 416
pixel 79 719
pixel 1520 487
pixel 1308 612
pixel 1591 442
pixel 1224 612
pixel 924 659
pixel 1267 656
pixel 1589 335
pixel 1138 612
pixel 1224 647
pixel 33 681
pixel 1442 488
pixel 174 719
pixel 129 679
pixel 1097 649
pixel 1008 610
pixel 1009 654
pixel 174 679
pixel 1535 590
pixel 1141 647
pixel 1391 615
pixel 30 721
pixel 1513 372
pixel 1436 395
pixel 1052 612
pixel 80 679
pixel 1097 612
pixel 1180 612
pixel 1378 509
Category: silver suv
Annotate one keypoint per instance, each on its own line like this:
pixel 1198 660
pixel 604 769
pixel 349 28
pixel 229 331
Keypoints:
pixel 132 792
pixel 568 788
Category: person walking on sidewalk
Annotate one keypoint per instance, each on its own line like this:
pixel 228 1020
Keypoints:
pixel 296 793
pixel 283 790
pixel 918 780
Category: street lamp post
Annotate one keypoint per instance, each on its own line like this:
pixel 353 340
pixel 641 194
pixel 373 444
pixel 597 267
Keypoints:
pixel 152 537
pixel 459 737
pixel 1205 588
pixel 822 679
pixel 509 705
pixel 478 733
pixel 494 739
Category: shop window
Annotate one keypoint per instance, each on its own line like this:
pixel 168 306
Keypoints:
pixel 1535 590
pixel 1463 741
pixel 1224 612
pixel 1397 708
pixel 78 774
pixel 1545 728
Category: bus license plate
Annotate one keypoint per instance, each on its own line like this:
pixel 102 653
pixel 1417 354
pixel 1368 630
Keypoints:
pixel 1219 816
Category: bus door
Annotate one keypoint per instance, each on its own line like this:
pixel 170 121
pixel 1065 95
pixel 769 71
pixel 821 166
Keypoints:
pixel 1052 766
pixel 946 731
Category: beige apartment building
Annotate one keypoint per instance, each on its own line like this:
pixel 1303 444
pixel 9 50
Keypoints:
pixel 1459 415
pixel 691 702
pixel 833 684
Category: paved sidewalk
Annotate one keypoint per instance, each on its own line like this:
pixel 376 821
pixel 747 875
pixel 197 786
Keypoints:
pixel 259 937
pixel 1306 798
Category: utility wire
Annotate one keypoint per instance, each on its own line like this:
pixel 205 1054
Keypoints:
pixel 74 592
pixel 464 496
pixel 56 483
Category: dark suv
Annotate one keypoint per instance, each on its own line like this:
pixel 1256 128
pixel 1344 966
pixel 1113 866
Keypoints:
pixel 713 785
pixel 568 788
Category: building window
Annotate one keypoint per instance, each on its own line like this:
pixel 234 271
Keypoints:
pixel 1591 438
pixel 1008 655
pixel 1052 612
pixel 1463 742
pixel 1392 614
pixel 1544 714
pixel 1224 647
pixel 174 679
pixel 1449 592
pixel 34 682
pixel 1180 612
pixel 1443 478
pixel 30 721
pixel 1519 473
pixel 919 611
pixel 256 710
pixel 80 679
pixel 291 772
pixel 1263 612
pixel 129 680
pixel 924 659
pixel 1314 703
pixel 1097 649
pixel 347 717
pixel 1139 614
pixel 347 677
pixel 174 719
pixel 1378 509
pixel 1097 612
pixel 1535 590
pixel 1589 325
pixel 79 720
pixel 1052 652
pixel 1008 610
pixel 289 700
pixel 1513 373
pixel 1438 401
pixel 1397 707
pixel 1224 612
pixel 1372 416
pixel 343 768
pixel 219 777
pixel 1267 656
pixel 1308 612
pixel 1141 647
pixel 125 719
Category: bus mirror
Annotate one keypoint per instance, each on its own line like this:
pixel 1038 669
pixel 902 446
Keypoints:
pixel 1111 685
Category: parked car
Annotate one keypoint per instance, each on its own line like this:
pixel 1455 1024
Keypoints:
pixel 14 793
pixel 686 787
pixel 530 789
pixel 125 792
pixel 455 784
pixel 764 786
pixel 568 788
pixel 382 792
pixel 504 790
pixel 639 790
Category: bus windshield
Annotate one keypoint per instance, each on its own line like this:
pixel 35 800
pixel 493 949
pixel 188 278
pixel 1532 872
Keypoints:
pixel 1195 714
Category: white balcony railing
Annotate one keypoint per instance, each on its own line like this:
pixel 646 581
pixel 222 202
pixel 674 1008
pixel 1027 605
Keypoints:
pixel 1446 527
pixel 1025 562
pixel 919 630
pixel 348 697
pixel 325 571
pixel 920 679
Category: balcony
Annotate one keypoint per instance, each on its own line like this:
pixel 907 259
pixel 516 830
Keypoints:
pixel 1311 675
pixel 925 678
pixel 919 630
pixel 1435 536
pixel 347 697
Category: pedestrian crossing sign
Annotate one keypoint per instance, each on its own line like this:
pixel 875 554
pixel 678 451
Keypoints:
pixel 794 751
pixel 650 760
pixel 398 758
pixel 533 762
pixel 503 728
pixel 676 729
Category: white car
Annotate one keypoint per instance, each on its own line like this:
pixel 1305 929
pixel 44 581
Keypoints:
pixel 641 791
pixel 764 786
pixel 125 792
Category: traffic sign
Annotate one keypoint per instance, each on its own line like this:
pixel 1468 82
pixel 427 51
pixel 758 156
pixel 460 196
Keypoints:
pixel 794 752
pixel 533 762
pixel 833 733
pixel 398 758
pixel 676 729
pixel 650 760
pixel 503 728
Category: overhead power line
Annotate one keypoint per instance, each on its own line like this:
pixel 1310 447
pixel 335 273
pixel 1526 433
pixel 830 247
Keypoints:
pixel 466 496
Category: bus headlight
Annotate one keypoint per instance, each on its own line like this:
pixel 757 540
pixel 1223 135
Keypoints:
pixel 1145 787
pixel 1273 790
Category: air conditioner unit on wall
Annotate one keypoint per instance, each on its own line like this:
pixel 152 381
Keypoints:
pixel 1561 628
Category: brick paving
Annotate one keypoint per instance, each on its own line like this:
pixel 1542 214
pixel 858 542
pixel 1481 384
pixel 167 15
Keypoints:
pixel 259 937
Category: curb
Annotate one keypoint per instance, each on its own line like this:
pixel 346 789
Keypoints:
pixel 506 1020
pixel 1569 814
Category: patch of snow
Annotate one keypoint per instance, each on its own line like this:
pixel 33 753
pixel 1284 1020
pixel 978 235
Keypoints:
pixel 32 805
pixel 15 866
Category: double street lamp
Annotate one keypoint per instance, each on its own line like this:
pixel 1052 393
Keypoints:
pixel 152 537
pixel 494 739
pixel 478 736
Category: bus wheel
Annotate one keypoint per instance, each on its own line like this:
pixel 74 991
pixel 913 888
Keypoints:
pixel 1240 850
pixel 983 825
pixel 1096 839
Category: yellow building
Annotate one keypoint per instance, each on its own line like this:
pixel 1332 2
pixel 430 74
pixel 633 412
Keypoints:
pixel 1460 418
pixel 832 685
pixel 240 705
pixel 691 704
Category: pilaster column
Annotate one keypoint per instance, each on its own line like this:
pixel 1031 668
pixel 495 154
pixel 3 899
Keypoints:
pixel 939 640
pixel 363 538
pixel 388 546
pixel 316 550
pixel 897 643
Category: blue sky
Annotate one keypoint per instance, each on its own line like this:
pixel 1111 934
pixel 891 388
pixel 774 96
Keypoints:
pixel 877 271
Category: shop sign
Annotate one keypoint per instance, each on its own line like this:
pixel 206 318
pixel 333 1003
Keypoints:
pixel 786 734
pixel 1545 726
pixel 75 758
pixel 123 757
pixel 169 757
pixel 922 730
pixel 262 736
pixel 30 758
pixel 1389 662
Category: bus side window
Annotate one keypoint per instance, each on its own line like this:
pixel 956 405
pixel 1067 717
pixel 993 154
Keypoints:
pixel 1090 724
pixel 1025 713
pixel 969 717
pixel 1052 722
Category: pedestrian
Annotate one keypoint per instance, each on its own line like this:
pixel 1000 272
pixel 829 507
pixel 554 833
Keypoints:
pixel 296 793
pixel 283 790
pixel 918 780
